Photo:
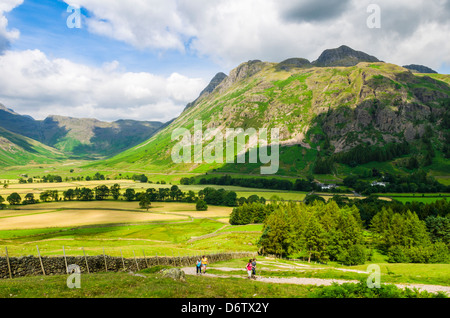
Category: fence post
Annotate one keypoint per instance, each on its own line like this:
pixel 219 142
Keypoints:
pixel 104 257
pixel 40 260
pixel 135 260
pixel 146 263
pixel 123 262
pixel 65 260
pixel 157 259
pixel 85 258
pixel 7 260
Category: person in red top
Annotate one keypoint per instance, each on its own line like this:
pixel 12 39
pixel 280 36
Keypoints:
pixel 249 269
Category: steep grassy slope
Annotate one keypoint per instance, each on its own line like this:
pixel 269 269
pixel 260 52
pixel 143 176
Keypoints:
pixel 315 108
pixel 16 150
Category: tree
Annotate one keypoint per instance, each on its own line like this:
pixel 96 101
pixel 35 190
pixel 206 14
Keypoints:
pixel 29 199
pixel 145 203
pixel 315 241
pixel 1 202
pixel 309 199
pixel 275 236
pixel 54 195
pixel 190 196
pixel 115 191
pixel 86 194
pixel 175 192
pixel 152 194
pixel 130 194
pixel 45 196
pixel 438 227
pixel 163 193
pixel 69 194
pixel 143 179
pixel 230 198
pixel 98 176
pixel 201 205
pixel 101 192
pixel 14 199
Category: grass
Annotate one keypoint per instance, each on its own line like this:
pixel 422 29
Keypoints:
pixel 123 285
pixel 427 274
pixel 194 234
pixel 418 199
pixel 177 224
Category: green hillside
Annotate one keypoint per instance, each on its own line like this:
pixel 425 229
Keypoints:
pixel 16 150
pixel 80 137
pixel 322 112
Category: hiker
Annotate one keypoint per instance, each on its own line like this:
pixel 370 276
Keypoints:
pixel 199 266
pixel 204 263
pixel 254 268
pixel 249 269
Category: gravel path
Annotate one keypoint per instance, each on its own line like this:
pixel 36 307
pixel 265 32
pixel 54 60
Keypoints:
pixel 312 281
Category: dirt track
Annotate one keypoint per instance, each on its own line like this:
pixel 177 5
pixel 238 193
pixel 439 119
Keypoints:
pixel 314 281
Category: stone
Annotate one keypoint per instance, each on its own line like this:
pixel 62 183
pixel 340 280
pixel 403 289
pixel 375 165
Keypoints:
pixel 174 273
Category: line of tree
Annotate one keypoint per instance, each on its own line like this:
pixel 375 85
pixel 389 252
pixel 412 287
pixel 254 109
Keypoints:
pixel 370 206
pixel 209 195
pixel 250 213
pixel 406 239
pixel 321 232
pixel 363 153
pixel 416 182
pixel 261 183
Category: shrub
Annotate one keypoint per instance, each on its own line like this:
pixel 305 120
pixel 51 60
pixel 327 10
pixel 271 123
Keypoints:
pixel 201 205
pixel 360 290
pixel 397 254
pixel 354 255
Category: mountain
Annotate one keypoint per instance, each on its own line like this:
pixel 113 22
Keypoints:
pixel 92 137
pixel 322 112
pixel 18 150
pixel 420 69
pixel 24 125
pixel 343 56
pixel 80 137
pixel 288 64
pixel 217 79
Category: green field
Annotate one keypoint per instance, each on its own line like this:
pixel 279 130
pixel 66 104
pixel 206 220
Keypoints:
pixel 167 229
pixel 123 285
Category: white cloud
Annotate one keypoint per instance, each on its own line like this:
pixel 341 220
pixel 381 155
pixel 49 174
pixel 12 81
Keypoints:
pixel 230 32
pixel 7 35
pixel 33 84
pixel 141 23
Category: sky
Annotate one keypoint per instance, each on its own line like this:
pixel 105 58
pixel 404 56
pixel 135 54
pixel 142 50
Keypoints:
pixel 147 59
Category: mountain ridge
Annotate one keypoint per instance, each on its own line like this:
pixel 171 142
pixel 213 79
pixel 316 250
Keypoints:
pixel 316 107
pixel 86 137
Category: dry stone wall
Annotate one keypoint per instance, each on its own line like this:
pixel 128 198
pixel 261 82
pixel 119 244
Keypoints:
pixel 31 265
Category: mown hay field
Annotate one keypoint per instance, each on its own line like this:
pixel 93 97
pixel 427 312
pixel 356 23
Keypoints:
pixel 75 213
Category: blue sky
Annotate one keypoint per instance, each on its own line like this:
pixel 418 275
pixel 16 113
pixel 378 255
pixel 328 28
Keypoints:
pixel 42 26
pixel 147 59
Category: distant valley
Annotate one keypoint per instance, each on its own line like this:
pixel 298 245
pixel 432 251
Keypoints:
pixel 80 138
